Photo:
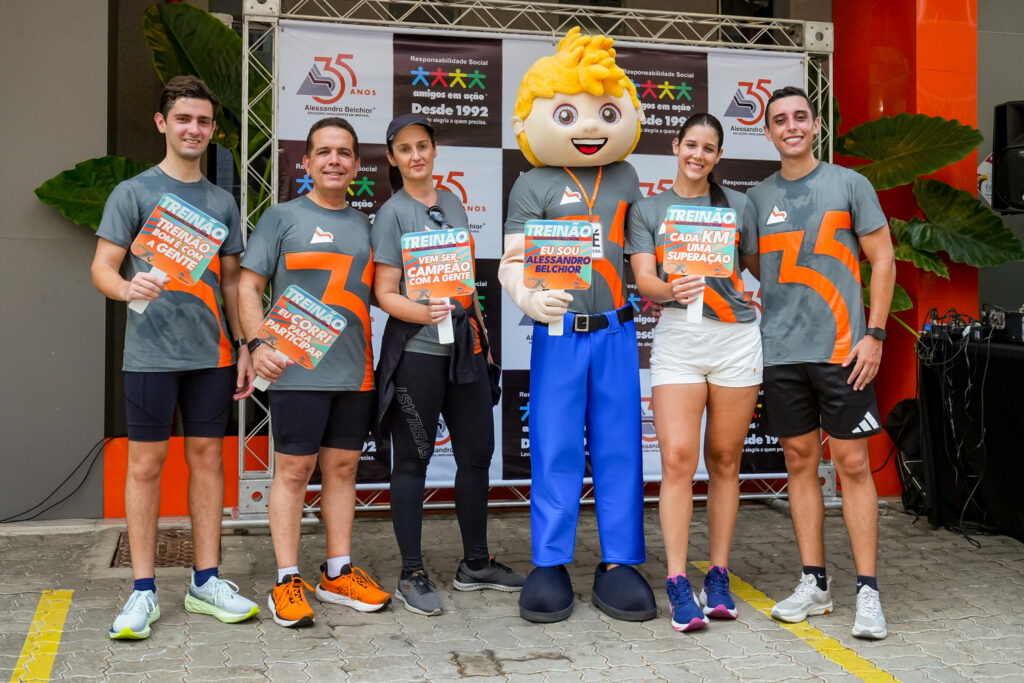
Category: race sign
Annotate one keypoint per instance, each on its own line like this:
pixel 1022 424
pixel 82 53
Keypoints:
pixel 558 254
pixel 301 328
pixel 699 240
pixel 179 241
pixel 438 264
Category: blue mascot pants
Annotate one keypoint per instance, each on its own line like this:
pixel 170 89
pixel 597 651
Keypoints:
pixel 589 379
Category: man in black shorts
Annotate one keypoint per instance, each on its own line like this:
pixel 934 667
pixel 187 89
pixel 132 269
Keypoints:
pixel 321 244
pixel 179 351
pixel 820 356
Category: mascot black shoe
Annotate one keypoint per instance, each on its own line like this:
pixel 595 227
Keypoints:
pixel 623 593
pixel 547 595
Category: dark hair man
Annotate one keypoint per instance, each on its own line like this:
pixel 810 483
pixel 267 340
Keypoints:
pixel 178 352
pixel 820 355
pixel 320 244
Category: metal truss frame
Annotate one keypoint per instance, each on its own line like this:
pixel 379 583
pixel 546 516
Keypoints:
pixel 260 172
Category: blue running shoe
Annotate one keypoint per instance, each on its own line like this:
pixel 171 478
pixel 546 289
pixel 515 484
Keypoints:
pixel 715 596
pixel 686 613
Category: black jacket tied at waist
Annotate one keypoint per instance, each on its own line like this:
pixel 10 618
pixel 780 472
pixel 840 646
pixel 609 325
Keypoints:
pixel 463 368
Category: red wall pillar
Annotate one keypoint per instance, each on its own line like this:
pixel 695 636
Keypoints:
pixel 915 56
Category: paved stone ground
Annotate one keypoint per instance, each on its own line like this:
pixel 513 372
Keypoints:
pixel 955 612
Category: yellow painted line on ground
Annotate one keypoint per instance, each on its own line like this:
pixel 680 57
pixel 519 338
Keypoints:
pixel 43 638
pixel 816 638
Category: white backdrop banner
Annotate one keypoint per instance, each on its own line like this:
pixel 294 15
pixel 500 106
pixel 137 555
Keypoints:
pixel 466 84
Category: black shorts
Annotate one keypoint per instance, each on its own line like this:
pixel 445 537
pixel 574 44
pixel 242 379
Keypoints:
pixel 801 397
pixel 304 421
pixel 203 397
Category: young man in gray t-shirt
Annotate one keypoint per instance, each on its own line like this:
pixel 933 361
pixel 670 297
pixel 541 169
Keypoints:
pixel 820 354
pixel 178 352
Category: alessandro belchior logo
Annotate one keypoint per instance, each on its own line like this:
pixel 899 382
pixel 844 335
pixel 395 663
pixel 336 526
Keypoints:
pixel 749 100
pixel 331 78
pixel 320 235
pixel 777 216
pixel 570 197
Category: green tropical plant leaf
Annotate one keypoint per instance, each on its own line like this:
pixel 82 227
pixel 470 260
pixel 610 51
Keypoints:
pixel 181 38
pixel 900 299
pixel 186 40
pixel 961 226
pixel 80 193
pixel 924 260
pixel 906 250
pixel 906 146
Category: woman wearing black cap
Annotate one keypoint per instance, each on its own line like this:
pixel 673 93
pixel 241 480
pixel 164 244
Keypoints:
pixel 421 378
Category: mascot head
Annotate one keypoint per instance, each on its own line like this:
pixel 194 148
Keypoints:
pixel 577 107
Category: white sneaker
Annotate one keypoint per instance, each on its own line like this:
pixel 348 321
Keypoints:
pixel 138 613
pixel 806 600
pixel 220 599
pixel 870 622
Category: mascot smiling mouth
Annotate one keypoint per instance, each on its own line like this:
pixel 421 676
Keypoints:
pixel 589 146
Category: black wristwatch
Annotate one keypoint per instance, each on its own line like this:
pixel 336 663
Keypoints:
pixel 876 332
pixel 254 344
pixel 239 343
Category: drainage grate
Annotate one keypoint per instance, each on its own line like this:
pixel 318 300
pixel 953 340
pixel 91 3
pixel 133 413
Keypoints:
pixel 173 549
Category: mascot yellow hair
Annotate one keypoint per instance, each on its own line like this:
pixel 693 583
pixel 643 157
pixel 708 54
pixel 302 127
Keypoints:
pixel 582 64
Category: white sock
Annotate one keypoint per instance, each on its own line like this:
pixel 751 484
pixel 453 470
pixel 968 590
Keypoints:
pixel 285 571
pixel 334 564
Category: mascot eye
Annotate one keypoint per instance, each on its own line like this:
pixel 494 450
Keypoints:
pixel 610 113
pixel 566 115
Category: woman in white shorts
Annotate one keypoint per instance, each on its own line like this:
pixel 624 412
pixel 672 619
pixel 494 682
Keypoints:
pixel 715 364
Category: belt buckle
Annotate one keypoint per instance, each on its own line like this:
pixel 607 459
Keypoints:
pixel 581 323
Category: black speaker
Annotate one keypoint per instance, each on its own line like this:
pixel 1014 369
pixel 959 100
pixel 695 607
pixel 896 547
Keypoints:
pixel 1008 158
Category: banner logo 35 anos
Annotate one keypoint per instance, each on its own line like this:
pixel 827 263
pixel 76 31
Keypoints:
pixel 326 82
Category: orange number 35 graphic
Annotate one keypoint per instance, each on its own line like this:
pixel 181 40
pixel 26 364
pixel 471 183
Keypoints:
pixel 329 67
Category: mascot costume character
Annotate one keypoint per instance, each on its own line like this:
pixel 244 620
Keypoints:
pixel 576 118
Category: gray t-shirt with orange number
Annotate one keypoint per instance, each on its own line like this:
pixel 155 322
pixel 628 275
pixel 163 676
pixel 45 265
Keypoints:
pixel 326 253
pixel 725 298
pixel 184 329
pixel 812 309
pixel 401 214
pixel 551 192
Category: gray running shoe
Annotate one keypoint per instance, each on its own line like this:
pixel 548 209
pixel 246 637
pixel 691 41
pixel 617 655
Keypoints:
pixel 419 594
pixel 220 599
pixel 495 576
pixel 138 613
pixel 870 622
pixel 806 600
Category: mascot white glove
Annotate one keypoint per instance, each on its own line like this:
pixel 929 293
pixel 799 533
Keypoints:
pixel 543 305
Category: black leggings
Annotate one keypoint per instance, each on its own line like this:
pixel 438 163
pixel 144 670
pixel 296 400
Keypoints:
pixel 422 392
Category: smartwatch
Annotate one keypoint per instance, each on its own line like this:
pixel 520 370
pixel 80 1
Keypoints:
pixel 876 332
pixel 254 344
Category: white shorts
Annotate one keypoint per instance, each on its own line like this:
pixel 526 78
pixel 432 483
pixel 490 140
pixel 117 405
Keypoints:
pixel 723 354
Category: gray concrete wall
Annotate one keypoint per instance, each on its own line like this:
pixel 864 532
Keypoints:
pixel 54 115
pixel 1000 47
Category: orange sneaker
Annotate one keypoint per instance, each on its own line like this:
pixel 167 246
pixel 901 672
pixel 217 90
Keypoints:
pixel 353 587
pixel 288 603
